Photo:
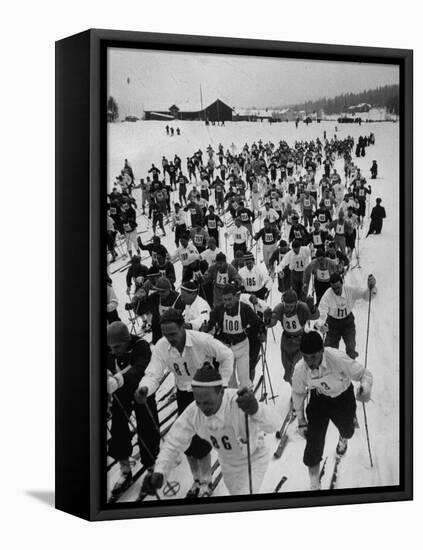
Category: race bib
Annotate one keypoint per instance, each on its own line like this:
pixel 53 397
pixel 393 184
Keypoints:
pixel 222 279
pixel 322 275
pixel 250 282
pixel 291 324
pixel 211 224
pixel 268 238
pixel 307 203
pixel 232 325
pixel 299 265
pixel 317 240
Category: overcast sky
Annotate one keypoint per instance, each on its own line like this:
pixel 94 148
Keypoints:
pixel 159 79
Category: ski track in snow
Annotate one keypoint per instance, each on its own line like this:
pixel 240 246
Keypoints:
pixel 144 143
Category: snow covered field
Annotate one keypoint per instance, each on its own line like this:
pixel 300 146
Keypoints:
pixel 144 143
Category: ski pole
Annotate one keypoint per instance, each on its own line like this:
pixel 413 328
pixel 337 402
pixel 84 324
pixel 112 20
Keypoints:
pixel 267 371
pixel 247 433
pixel 365 366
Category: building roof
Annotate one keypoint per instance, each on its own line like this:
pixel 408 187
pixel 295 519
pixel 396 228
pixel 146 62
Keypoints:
pixel 254 112
pixel 185 107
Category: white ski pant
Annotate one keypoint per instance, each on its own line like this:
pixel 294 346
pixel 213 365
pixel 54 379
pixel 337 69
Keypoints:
pixel 131 240
pixel 235 476
pixel 268 250
pixel 241 370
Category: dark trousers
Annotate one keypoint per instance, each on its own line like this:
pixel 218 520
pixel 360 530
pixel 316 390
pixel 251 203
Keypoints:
pixel 215 234
pixel 342 328
pixel 297 281
pixel 199 448
pixel 308 217
pixel 179 230
pixel 375 227
pixel 321 409
pixel 120 443
pixel 111 240
pixel 320 287
pixel 291 354
pixel 240 246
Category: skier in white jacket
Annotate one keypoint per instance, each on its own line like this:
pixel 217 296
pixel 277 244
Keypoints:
pixel 219 415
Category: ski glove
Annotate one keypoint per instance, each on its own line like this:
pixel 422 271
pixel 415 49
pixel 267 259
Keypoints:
pixel 363 394
pixel 152 482
pixel 371 282
pixel 140 395
pixel 321 326
pixel 261 336
pixel 247 401
pixel 267 316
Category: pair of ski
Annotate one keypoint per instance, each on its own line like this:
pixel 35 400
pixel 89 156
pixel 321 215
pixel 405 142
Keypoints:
pixel 334 476
pixel 283 436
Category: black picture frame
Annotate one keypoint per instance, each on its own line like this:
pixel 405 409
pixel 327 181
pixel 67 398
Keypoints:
pixel 80 263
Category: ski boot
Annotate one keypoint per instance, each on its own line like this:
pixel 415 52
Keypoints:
pixel 195 489
pixel 200 489
pixel 205 490
pixel 314 473
pixel 122 484
pixel 342 446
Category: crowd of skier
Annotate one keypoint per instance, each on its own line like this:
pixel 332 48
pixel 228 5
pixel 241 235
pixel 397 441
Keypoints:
pixel 249 224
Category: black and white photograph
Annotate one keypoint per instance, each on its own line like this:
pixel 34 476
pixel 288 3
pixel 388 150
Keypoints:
pixel 253 276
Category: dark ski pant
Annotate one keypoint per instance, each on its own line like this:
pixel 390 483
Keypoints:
pixel 111 241
pixel 120 443
pixel 321 409
pixel 342 328
pixel 240 246
pixel 297 282
pixel 290 351
pixel 179 230
pixel 308 217
pixel 215 234
pixel 375 227
pixel 199 448
pixel 320 287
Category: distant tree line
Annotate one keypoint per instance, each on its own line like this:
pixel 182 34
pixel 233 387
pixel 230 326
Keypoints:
pixel 112 110
pixel 384 96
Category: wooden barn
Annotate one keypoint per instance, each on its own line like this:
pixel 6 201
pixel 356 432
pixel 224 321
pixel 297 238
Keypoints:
pixel 216 111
